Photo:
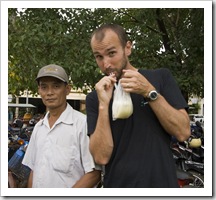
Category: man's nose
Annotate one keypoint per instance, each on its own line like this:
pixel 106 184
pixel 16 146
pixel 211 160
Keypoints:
pixel 106 63
pixel 50 91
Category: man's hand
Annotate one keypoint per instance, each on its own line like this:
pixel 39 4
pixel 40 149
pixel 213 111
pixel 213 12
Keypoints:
pixel 134 82
pixel 104 89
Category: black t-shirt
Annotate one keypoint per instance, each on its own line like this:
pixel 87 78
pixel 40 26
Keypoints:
pixel 141 156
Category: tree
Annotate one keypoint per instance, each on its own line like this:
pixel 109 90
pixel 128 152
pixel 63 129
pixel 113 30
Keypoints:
pixel 171 38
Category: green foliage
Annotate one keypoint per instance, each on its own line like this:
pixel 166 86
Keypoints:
pixel 195 108
pixel 171 38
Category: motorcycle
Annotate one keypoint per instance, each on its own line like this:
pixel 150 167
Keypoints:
pixel 185 179
pixel 17 144
pixel 196 141
pixel 189 158
pixel 17 172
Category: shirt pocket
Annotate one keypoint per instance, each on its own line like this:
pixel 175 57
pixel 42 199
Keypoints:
pixel 63 158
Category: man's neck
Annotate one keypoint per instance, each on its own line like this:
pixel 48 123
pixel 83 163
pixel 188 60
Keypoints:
pixel 54 114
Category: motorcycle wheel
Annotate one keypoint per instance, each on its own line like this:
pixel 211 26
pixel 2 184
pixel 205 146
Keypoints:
pixel 189 186
pixel 199 179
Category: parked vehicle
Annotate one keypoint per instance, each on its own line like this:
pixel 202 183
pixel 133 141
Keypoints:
pixel 196 117
pixel 189 157
pixel 17 172
pixel 18 138
pixel 185 179
pixel 184 162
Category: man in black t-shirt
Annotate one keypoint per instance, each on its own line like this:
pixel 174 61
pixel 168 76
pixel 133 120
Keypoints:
pixel 135 150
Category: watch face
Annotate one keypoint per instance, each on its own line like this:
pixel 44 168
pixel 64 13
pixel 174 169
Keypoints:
pixel 153 95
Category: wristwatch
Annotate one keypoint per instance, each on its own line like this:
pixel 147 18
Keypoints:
pixel 152 95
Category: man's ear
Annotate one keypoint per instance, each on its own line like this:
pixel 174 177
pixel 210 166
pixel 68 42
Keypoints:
pixel 128 48
pixel 68 88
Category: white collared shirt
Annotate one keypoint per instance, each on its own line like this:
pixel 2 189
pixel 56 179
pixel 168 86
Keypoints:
pixel 59 156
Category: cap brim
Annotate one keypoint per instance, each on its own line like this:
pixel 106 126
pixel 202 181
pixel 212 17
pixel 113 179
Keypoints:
pixel 50 75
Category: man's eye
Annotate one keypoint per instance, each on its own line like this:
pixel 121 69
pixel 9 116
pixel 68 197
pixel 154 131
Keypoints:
pixel 112 53
pixel 43 87
pixel 98 57
pixel 57 86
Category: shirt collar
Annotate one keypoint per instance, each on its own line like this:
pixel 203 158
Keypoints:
pixel 66 117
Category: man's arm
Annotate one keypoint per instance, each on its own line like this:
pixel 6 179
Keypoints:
pixel 30 179
pixel 175 122
pixel 101 141
pixel 89 180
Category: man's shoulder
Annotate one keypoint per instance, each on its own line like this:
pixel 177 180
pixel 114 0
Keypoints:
pixel 154 71
pixel 156 74
pixel 75 112
pixel 40 122
pixel 92 95
pixel 79 114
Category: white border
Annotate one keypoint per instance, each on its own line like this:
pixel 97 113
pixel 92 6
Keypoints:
pixel 207 191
